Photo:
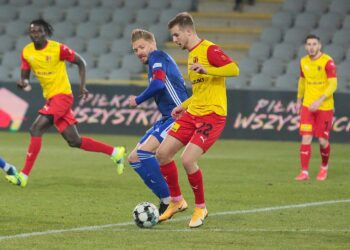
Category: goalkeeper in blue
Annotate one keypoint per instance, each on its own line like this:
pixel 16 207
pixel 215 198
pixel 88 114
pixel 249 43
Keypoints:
pixel 167 88
pixel 7 168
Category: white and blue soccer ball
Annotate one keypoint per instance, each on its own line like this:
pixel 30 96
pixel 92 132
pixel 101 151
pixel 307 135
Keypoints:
pixel 145 215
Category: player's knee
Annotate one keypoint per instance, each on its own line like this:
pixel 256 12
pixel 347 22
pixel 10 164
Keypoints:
pixel 323 142
pixel 74 143
pixel 187 162
pixel 161 156
pixel 132 157
pixel 34 130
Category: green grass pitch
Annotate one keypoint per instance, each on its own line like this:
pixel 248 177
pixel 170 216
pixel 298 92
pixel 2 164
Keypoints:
pixel 76 200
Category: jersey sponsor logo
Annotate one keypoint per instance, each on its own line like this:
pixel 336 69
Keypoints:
pixel 175 127
pixel 198 80
pixel 42 73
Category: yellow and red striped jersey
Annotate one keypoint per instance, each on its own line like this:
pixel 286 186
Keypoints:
pixel 49 67
pixel 209 90
pixel 316 80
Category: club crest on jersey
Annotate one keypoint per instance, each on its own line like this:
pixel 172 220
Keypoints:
pixel 48 59
pixel 319 68
pixel 195 59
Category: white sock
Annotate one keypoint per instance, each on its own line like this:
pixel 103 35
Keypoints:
pixel 165 200
pixel 114 152
pixel 7 167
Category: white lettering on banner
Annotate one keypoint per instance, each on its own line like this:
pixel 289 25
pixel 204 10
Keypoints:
pixel 100 109
pixel 274 115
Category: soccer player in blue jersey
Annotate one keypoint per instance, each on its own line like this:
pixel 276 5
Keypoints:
pixel 167 87
pixel 8 168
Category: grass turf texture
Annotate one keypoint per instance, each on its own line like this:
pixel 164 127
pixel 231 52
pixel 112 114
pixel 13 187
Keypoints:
pixel 71 189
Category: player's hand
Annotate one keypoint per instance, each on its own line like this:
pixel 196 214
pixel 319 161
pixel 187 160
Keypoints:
pixel 315 105
pixel 132 101
pixel 177 112
pixel 24 85
pixel 198 68
pixel 84 93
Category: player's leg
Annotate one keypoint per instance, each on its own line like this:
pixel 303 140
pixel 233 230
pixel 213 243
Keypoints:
pixel 305 156
pixel 204 137
pixel 165 155
pixel 189 159
pixel 323 129
pixel 70 133
pixel 325 150
pixel 306 131
pixel 38 128
pixel 7 168
pixel 149 163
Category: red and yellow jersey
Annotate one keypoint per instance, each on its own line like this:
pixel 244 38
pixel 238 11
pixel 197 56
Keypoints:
pixel 49 67
pixel 209 90
pixel 317 78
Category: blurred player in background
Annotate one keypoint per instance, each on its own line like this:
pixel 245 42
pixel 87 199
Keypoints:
pixel 8 168
pixel 317 83
pixel 200 119
pixel 46 58
pixel 167 88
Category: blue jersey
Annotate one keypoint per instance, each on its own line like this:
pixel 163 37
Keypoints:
pixel 166 84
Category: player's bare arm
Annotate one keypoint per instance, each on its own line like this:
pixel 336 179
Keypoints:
pixel 23 83
pixel 80 62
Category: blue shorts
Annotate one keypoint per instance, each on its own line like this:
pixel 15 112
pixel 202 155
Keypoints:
pixel 159 130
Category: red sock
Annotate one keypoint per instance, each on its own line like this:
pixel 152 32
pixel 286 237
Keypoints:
pixel 196 182
pixel 325 152
pixel 33 151
pixel 169 172
pixel 305 155
pixel 91 145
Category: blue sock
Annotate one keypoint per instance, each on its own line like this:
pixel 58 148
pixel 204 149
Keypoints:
pixel 154 176
pixel 142 172
pixel 2 163
pixel 9 169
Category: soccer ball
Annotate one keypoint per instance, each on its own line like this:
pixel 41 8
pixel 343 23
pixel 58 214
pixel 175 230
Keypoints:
pixel 145 215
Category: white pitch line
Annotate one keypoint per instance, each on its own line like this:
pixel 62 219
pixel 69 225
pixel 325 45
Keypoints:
pixel 237 230
pixel 99 227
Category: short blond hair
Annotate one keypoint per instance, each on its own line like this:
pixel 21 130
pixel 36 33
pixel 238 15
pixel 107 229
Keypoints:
pixel 183 19
pixel 138 34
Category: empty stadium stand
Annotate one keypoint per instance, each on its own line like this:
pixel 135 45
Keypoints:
pixel 266 39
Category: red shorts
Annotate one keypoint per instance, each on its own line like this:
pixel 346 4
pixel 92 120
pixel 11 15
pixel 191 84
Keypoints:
pixel 60 107
pixel 318 123
pixel 200 130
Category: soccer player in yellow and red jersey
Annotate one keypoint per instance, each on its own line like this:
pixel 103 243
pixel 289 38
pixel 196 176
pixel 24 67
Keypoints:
pixel 46 58
pixel 200 119
pixel 317 83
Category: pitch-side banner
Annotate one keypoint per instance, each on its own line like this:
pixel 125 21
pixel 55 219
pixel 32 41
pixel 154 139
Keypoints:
pixel 251 114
